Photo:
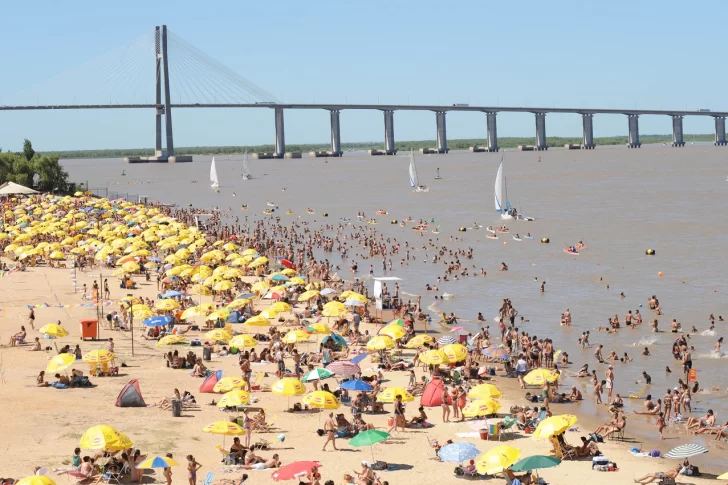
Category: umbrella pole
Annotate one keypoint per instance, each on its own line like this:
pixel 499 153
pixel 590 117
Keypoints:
pixel 371 447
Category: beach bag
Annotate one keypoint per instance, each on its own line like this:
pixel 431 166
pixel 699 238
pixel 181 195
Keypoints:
pixel 599 461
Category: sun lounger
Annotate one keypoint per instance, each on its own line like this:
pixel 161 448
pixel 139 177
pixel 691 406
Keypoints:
pixel 266 427
pixel 208 479
pixel 256 384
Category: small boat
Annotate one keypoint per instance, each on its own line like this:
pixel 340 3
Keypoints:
pixel 382 212
pixel 516 238
pixel 569 251
pixel 409 219
pixel 371 221
pixel 270 204
pixel 527 237
pixel 267 211
pixel 436 230
pixel 247 175
pixel 215 183
pixel 414 181
pixel 503 230
pixel 289 212
pixel 491 236
pixel 437 175
pixel 502 205
pixel 476 226
pixel 490 230
pixel 310 211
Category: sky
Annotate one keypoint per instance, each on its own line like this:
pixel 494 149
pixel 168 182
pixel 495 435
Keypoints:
pixel 618 54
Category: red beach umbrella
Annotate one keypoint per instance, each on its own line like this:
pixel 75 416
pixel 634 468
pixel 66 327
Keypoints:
pixel 295 470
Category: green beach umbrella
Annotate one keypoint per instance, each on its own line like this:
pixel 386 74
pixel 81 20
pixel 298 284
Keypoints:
pixel 535 462
pixel 369 438
pixel 317 374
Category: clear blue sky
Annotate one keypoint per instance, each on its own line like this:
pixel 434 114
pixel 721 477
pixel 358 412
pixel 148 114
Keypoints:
pixel 568 53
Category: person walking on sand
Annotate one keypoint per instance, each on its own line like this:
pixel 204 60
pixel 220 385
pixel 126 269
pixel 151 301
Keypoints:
pixel 192 468
pixel 31 319
pixel 330 429
pixel 609 382
pixel 445 406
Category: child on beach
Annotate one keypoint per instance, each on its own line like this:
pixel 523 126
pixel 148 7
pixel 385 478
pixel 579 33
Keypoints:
pixel 598 391
pixel 661 424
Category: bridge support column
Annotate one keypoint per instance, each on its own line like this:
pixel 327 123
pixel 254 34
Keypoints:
pixel 492 128
pixel 280 151
pixel 335 134
pixel 720 131
pixel 633 122
pixel 389 146
pixel 167 104
pixel 587 140
pixel 677 131
pixel 441 131
pixel 541 132
pixel 159 111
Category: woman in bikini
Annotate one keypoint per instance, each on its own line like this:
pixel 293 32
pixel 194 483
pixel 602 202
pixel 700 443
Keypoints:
pixel 192 468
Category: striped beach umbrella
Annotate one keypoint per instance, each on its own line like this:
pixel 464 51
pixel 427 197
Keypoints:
pixel 446 339
pixel 685 451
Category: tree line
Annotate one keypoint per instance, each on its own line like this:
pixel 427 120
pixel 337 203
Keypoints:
pixel 31 169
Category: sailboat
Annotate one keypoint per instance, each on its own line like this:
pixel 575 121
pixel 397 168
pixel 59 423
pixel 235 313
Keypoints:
pixel 247 175
pixel 414 181
pixel 502 205
pixel 215 183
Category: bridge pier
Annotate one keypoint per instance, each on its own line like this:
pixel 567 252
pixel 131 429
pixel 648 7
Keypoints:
pixel 280 151
pixel 441 132
pixel 587 141
pixel 492 129
pixel 335 134
pixel 677 131
pixel 633 122
pixel 389 146
pixel 158 94
pixel 541 132
pixel 720 131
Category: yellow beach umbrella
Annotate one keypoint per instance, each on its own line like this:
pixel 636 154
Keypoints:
pixel 166 304
pixel 318 328
pixel 484 390
pixel 258 262
pixel 218 334
pixel 455 352
pixel 130 266
pixel 259 287
pixel 481 407
pixel 288 386
pixel 220 314
pixel 257 321
pixel 60 362
pixel 237 304
pixel 296 280
pixel 538 376
pixel 335 304
pixel 191 312
pixel 223 285
pixel 236 397
pixel 307 295
pixel 281 306
pixel 54 330
pixel 419 341
pixel 269 313
pixel 57 255
pixel 98 356
pixel 334 312
pixel 390 395
pixel 380 342
pixel 227 384
pixel 242 341
pixel 103 437
pixel 394 331
pixel 170 340
pixel 295 336
pixel 36 480
pixel 553 426
pixel 249 252
pixel 497 459
pixel 321 400
pixel 225 428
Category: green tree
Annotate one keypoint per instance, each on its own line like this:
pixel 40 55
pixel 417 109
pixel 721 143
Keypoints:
pixel 28 150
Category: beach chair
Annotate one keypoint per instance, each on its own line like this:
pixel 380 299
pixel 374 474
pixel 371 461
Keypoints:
pixel 618 435
pixel 639 394
pixel 208 479
pixel 112 476
pixel 256 384
pixel 507 425
pixel 560 453
pixel 266 427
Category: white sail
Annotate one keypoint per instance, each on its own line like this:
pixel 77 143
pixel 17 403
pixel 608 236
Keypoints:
pixel 414 182
pixel 213 175
pixel 499 188
pixel 247 175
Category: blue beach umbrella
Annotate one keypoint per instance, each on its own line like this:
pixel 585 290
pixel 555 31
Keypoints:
pixel 171 294
pixel 157 321
pixel 356 386
pixel 458 452
pixel 280 277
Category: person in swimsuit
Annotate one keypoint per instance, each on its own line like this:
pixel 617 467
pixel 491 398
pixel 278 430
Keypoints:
pixel 445 405
pixel 192 467
pixel 330 429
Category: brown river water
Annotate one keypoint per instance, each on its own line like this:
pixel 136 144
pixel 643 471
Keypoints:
pixel 618 201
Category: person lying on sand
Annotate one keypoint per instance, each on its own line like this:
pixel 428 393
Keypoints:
pixel 704 422
pixel 651 477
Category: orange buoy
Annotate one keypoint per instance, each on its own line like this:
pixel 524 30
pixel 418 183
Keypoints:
pixel 659 274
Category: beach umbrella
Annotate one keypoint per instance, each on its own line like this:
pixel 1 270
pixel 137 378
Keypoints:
pixel 317 374
pixel 279 277
pixel 227 384
pixel 171 294
pixel 723 476
pixel 170 340
pixel 281 306
pixel 419 341
pixel 307 295
pixel 157 462
pixel 269 313
pixel 54 330
pixel 355 385
pixel 257 321
pixel 334 312
pixel 130 266
pixel 225 428
pixel 343 368
pixel 390 395
pixel 328 291
pixel 458 452
pixel 369 438
pixel 353 303
pixel 297 280
pixel 338 339
pixel 393 331
pixel 484 390
pixel 166 304
pixel 260 286
pixel 554 426
pixel 539 376
pixel 497 459
pixel 321 400
pixel 288 386
pixel 57 255
pixel 234 398
pixel 223 285
pixel 455 352
pixel 380 342
pixel 318 328
pixel 218 334
pixel 237 304
pixel 536 462
pixel 36 480
pixel 295 336
pixel 447 339
pixel 103 437
pixel 685 451
pixel 295 470
pixel 434 357
pixel 158 321
pixel 60 362
pixel 481 407
pixel 98 356
pixel 497 353
pixel 335 304
pixel 242 341
pixel 219 314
